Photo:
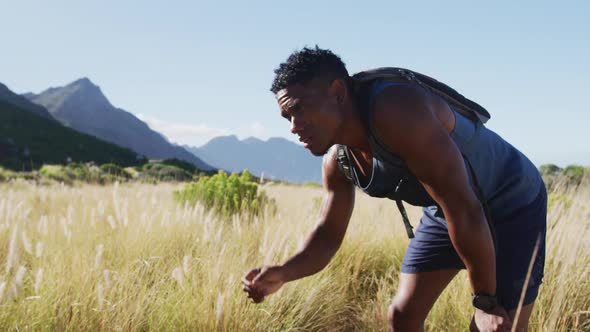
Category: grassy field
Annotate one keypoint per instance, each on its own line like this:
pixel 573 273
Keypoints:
pixel 128 257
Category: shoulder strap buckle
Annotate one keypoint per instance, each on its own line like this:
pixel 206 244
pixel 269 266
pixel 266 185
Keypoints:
pixel 344 161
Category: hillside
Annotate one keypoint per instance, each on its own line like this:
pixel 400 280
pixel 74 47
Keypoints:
pixel 22 102
pixel 28 141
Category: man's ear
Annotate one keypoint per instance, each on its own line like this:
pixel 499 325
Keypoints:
pixel 339 90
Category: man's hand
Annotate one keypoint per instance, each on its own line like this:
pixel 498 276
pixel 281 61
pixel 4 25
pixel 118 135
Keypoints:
pixel 261 282
pixel 495 320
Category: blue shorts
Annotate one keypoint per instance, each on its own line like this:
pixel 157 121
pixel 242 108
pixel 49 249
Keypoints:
pixel 431 249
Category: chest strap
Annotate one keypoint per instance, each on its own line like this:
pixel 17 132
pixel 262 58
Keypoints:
pixel 343 159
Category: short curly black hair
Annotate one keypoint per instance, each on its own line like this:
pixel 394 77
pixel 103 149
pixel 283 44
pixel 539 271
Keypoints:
pixel 306 64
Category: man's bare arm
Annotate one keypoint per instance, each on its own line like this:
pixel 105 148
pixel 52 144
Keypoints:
pixel 335 212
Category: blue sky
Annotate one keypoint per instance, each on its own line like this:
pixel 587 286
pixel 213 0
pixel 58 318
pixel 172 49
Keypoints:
pixel 195 70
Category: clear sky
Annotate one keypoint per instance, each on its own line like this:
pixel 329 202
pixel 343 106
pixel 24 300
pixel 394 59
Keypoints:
pixel 194 70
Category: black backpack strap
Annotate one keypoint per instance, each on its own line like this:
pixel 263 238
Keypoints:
pixel 343 159
pixel 479 194
pixel 463 105
pixel 407 225
pixel 402 211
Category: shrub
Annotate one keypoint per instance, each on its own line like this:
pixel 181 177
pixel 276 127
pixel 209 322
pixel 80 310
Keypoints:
pixel 227 195
pixel 94 174
pixel 80 171
pixel 58 173
pixel 550 170
pixel 6 174
pixel 114 170
pixel 180 164
pixel 574 173
pixel 132 171
pixel 162 172
pixel 29 176
pixel 554 176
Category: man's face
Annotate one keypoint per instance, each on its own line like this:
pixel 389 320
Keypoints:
pixel 314 113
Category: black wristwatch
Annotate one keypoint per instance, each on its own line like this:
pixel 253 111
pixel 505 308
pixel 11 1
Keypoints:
pixel 484 302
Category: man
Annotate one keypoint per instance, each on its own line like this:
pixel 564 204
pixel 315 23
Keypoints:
pixel 403 140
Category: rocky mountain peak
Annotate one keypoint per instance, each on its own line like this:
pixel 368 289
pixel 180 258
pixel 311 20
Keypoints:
pixel 85 91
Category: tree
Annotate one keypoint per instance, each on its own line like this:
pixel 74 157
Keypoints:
pixel 550 170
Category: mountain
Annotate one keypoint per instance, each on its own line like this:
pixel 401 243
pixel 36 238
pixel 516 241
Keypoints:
pixel 28 140
pixel 276 158
pixel 82 106
pixel 22 103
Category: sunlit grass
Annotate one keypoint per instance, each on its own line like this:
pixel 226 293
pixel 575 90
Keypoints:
pixel 128 257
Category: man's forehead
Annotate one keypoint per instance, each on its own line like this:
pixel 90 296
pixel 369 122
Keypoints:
pixel 292 91
pixel 297 92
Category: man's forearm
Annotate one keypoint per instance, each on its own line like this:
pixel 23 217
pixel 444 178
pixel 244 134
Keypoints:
pixel 472 239
pixel 315 255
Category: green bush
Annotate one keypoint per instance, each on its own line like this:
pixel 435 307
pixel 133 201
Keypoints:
pixel 227 195
pixel 571 175
pixel 114 170
pixel 132 171
pixel 550 170
pixel 58 173
pixel 6 175
pixel 180 164
pixel 29 176
pixel 163 172
pixel 574 173
pixel 80 171
pixel 103 174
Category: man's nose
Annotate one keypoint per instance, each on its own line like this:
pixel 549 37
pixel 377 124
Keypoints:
pixel 296 124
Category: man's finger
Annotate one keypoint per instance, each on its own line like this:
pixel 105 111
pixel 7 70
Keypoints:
pixel 256 297
pixel 249 287
pixel 247 279
pixel 252 292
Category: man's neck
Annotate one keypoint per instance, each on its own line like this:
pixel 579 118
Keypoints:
pixel 353 132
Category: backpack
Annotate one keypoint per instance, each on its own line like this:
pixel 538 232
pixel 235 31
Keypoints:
pixel 362 83
pixel 456 100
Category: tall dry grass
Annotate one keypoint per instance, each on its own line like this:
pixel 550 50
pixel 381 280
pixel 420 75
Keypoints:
pixel 129 258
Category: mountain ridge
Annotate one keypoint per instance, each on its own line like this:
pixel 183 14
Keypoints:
pixel 22 102
pixel 82 106
pixel 274 158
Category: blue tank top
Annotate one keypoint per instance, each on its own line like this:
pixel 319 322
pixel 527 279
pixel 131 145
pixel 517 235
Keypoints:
pixel 507 178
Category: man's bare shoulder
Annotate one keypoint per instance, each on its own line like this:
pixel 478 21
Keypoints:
pixel 401 115
pixel 401 100
pixel 332 177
